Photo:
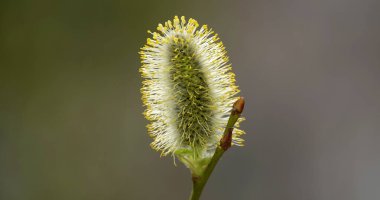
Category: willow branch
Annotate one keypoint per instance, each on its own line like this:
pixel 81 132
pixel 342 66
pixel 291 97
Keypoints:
pixel 199 181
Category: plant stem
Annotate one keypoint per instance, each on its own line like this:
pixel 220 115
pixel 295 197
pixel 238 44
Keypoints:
pixel 199 181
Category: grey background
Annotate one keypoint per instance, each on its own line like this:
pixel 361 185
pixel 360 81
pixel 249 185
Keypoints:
pixel 70 112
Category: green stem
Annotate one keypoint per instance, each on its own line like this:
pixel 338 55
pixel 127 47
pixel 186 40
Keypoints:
pixel 199 181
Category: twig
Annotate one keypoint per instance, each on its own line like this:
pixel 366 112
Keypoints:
pixel 199 181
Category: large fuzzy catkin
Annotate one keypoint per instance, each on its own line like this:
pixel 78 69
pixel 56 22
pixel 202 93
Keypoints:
pixel 188 87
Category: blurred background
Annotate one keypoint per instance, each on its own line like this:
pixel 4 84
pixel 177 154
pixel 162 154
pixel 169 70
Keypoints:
pixel 70 111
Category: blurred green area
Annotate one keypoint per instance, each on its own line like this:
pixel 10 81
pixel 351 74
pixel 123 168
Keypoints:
pixel 70 112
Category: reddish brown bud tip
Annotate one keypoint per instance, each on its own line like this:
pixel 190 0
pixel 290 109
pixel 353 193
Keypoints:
pixel 239 105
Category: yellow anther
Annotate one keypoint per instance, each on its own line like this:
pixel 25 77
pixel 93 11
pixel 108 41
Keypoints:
pixel 176 21
pixel 155 35
pixel 160 27
pixel 170 24
pixel 175 39
pixel 183 20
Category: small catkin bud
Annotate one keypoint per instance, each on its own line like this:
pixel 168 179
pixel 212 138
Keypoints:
pixel 188 88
